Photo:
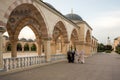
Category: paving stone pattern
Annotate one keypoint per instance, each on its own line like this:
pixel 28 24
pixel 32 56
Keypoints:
pixel 97 67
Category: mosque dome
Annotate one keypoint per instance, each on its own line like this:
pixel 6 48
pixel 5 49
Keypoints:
pixel 23 39
pixel 49 5
pixel 30 40
pixel 6 37
pixel 72 16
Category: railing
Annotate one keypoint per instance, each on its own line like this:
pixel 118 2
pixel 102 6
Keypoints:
pixel 24 62
pixel 58 57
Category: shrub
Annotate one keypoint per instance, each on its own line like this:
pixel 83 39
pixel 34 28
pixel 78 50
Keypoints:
pixel 108 51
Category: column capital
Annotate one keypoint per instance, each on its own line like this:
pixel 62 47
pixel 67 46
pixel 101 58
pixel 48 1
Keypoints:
pixel 2 29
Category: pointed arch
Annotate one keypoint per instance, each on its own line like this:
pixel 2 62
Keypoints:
pixel 60 29
pixel 25 14
pixel 33 47
pixel 19 47
pixel 15 4
pixel 26 47
pixel 74 35
pixel 88 36
pixel 8 46
pixel 59 38
pixel 74 39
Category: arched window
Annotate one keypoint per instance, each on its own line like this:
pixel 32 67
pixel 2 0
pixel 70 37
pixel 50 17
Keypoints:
pixel 19 47
pixel 33 47
pixel 26 47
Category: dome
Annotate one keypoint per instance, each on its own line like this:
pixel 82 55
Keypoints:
pixel 30 40
pixel 49 5
pixel 23 39
pixel 74 17
pixel 6 37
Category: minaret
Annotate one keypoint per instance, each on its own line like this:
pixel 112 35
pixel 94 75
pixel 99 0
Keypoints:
pixel 72 12
pixel 108 41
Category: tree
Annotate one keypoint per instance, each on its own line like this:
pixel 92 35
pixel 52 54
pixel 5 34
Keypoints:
pixel 108 48
pixel 101 47
pixel 118 49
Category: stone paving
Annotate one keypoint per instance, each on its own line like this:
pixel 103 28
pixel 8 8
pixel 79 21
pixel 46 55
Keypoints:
pixel 97 67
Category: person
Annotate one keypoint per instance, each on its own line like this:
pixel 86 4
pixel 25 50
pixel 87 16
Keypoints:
pixel 82 59
pixel 73 55
pixel 69 56
pixel 77 56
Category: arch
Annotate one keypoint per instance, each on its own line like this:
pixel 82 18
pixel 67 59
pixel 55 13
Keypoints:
pixel 19 47
pixel 74 39
pixel 33 47
pixel 60 29
pixel 26 14
pixel 24 23
pixel 26 47
pixel 8 46
pixel 59 38
pixel 22 15
pixel 88 36
pixel 14 5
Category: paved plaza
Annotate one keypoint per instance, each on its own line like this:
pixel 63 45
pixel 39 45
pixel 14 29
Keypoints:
pixel 100 66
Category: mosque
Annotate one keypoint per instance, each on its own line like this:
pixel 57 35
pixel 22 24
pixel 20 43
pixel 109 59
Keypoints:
pixel 55 33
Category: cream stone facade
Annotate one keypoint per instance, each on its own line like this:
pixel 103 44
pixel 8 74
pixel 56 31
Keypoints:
pixel 55 32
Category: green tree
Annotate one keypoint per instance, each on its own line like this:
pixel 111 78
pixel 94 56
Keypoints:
pixel 26 47
pixel 33 48
pixel 108 48
pixel 118 49
pixel 101 47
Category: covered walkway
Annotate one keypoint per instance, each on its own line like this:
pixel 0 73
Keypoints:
pixel 98 67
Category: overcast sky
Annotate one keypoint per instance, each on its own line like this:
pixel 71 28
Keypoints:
pixel 102 15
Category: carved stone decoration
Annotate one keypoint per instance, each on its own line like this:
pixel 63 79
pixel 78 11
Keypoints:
pixel 12 20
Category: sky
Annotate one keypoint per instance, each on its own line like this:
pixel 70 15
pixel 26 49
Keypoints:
pixel 102 15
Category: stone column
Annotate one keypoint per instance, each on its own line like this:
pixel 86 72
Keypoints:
pixel 2 30
pixel 47 47
pixel 14 48
pixel 22 49
pixel 29 47
pixel 39 47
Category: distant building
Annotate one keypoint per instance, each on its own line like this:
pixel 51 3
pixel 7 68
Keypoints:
pixel 116 42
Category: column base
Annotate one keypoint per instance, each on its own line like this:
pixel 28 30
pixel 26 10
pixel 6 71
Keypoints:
pixel 2 70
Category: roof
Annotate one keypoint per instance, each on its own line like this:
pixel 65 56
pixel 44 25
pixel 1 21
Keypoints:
pixel 72 16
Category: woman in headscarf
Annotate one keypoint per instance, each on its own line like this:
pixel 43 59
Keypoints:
pixel 77 56
pixel 82 59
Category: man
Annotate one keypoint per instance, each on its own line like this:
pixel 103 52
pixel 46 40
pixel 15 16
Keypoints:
pixel 69 56
pixel 73 56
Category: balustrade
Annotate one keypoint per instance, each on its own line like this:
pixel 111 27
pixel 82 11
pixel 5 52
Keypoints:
pixel 58 57
pixel 23 62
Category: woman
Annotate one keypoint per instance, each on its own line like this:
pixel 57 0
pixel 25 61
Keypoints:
pixel 82 59
pixel 77 56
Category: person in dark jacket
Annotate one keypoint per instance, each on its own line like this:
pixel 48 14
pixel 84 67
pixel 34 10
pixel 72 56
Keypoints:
pixel 69 56
pixel 73 56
